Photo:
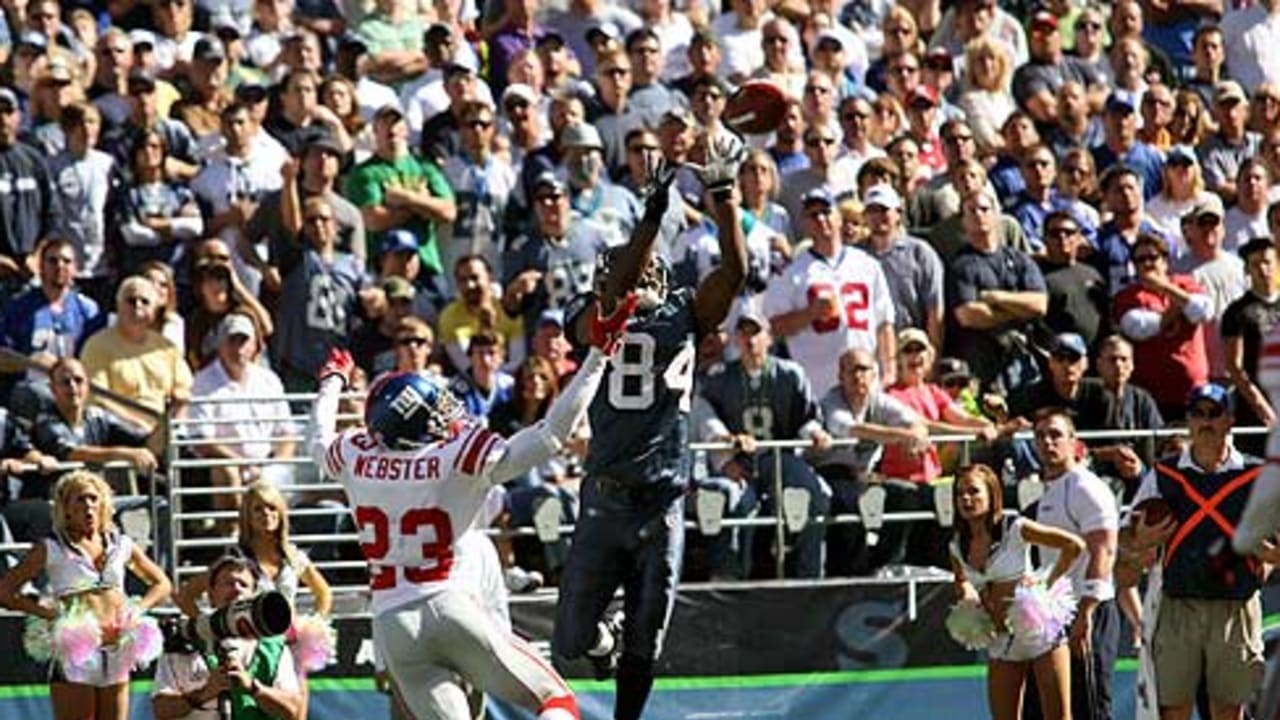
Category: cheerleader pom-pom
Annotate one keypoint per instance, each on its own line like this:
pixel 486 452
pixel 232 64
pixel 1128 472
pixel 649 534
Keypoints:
pixel 37 639
pixel 76 641
pixel 1040 615
pixel 142 640
pixel 315 643
pixel 970 625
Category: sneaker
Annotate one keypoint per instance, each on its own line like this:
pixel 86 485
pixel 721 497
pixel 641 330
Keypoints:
pixel 604 666
pixel 519 580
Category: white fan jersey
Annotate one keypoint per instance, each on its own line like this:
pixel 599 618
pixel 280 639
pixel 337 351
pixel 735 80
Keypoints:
pixel 856 282
pixel 411 506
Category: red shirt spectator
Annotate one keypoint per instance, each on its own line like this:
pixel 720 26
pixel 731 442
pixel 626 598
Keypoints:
pixel 1164 315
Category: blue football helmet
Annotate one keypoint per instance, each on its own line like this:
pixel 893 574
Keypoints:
pixel 407 410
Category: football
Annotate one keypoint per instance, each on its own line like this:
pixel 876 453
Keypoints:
pixel 755 108
pixel 1154 510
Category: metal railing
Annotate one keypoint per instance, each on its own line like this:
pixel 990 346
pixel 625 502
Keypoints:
pixel 186 438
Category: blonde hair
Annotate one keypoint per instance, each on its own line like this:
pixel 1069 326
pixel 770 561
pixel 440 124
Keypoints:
pixel 267 494
pixel 775 179
pixel 986 45
pixel 67 487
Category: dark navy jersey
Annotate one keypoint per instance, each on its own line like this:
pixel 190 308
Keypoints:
pixel 639 416
pixel 318 306
pixel 774 405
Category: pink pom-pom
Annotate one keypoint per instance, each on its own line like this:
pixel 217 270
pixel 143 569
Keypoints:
pixel 142 641
pixel 315 643
pixel 76 641
pixel 1040 615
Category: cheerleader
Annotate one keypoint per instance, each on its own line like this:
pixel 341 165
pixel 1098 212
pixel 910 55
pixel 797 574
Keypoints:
pixel 98 635
pixel 280 566
pixel 1002 605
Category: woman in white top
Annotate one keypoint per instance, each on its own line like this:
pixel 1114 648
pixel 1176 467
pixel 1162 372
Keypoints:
pixel 1182 187
pixel 986 99
pixel 991 557
pixel 86 561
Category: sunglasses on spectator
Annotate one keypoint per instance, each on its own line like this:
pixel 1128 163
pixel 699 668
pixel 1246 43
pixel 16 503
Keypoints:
pixel 643 148
pixel 956 382
pixel 1147 258
pixel 137 300
pixel 1090 25
pixel 1206 413
pixel 855 116
pixel 412 341
pixel 480 124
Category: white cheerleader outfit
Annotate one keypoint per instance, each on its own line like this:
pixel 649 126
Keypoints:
pixel 72 573
pixel 1009 561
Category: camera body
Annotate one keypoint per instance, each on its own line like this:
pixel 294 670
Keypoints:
pixel 264 615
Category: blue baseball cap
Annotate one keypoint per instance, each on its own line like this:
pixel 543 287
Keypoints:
pixel 1121 101
pixel 819 195
pixel 1068 344
pixel 399 240
pixel 1211 392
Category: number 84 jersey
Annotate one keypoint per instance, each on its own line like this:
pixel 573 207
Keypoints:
pixel 640 414
pixel 411 505
pixel 858 291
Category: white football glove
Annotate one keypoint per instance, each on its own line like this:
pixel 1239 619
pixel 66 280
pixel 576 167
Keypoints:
pixel 725 154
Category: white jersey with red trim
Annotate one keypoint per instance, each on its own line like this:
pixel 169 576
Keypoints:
pixel 856 281
pixel 1261 517
pixel 411 506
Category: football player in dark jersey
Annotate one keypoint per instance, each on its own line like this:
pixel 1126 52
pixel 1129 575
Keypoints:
pixel 631 530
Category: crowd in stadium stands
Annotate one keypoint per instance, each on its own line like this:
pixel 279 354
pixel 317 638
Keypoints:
pixel 970 212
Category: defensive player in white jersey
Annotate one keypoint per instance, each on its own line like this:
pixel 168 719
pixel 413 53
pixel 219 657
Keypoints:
pixel 1261 517
pixel 830 299
pixel 416 478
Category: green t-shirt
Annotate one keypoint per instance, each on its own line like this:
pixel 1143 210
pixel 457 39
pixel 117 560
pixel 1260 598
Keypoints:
pixel 381 35
pixel 370 178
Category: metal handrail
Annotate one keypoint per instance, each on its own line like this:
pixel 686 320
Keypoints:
pixel 179 493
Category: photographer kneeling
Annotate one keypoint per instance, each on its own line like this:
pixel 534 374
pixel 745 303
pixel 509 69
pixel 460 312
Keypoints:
pixel 259 675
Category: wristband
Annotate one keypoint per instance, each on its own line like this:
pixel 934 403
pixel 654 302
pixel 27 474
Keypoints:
pixel 1100 590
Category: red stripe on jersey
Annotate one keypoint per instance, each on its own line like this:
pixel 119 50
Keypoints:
pixel 333 458
pixel 471 463
pixel 494 439
pixel 466 443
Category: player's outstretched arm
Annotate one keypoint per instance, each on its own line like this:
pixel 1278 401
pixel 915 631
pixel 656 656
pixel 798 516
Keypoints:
pixel 335 376
pixel 634 256
pixel 718 289
pixel 536 444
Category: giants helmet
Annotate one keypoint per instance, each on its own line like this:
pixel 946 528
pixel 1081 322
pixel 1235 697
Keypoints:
pixel 407 410
pixel 654 282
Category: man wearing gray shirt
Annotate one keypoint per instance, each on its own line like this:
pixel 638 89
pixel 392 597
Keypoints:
pixel 856 408
pixel 911 266
pixel 1222 153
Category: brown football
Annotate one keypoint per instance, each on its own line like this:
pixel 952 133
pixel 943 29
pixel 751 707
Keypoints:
pixel 755 108
pixel 1154 510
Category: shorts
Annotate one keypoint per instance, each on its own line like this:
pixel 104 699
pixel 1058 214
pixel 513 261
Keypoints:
pixel 1010 649
pixel 1219 639
pixel 110 669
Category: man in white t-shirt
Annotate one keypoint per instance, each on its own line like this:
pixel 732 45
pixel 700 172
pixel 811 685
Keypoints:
pixel 1078 501
pixel 243 429
pixel 186 688
pixel 831 299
